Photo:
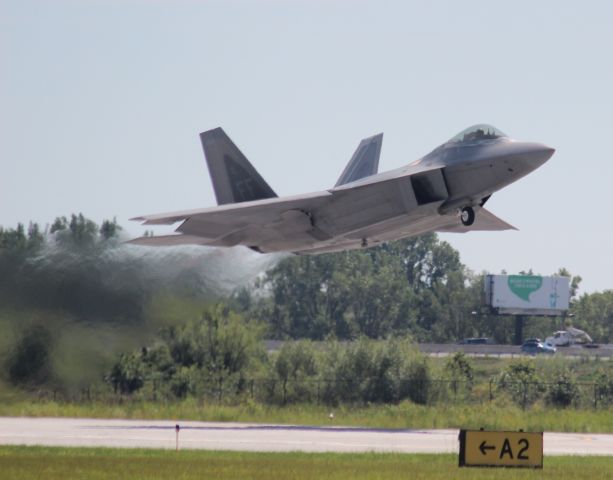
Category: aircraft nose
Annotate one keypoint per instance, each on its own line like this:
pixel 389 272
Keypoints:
pixel 544 152
pixel 533 155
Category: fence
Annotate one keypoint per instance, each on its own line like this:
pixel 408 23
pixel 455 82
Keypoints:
pixel 362 390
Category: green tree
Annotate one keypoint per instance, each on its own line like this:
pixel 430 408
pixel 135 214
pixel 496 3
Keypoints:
pixel 184 381
pixel 59 224
pixel 128 374
pixel 35 237
pixel 296 368
pixel 159 362
pixel 575 281
pixel 13 240
pixel 109 229
pixel 297 308
pixel 83 231
pixel 594 314
pixel 416 285
pixel 219 346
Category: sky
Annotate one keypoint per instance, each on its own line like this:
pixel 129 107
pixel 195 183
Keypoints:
pixel 101 103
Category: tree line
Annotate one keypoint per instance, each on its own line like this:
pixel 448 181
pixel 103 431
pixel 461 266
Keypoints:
pixel 416 286
pixel 75 279
pixel 220 357
pixel 221 349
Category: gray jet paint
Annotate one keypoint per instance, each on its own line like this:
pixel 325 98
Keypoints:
pixel 444 191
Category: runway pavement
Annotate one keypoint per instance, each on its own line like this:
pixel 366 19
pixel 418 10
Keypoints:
pixel 253 437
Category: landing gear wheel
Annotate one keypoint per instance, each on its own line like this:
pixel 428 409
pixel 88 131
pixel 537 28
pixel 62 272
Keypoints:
pixel 467 215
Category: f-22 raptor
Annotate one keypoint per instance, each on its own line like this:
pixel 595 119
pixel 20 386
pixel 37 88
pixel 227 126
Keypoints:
pixel 444 191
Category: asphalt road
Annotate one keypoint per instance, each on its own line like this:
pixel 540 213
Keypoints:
pixel 253 437
pixel 604 351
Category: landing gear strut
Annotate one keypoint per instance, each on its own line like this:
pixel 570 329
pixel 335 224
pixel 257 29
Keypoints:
pixel 467 215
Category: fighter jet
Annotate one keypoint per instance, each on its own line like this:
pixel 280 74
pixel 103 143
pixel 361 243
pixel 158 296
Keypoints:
pixel 444 191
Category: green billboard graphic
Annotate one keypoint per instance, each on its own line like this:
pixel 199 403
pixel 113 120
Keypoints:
pixel 524 285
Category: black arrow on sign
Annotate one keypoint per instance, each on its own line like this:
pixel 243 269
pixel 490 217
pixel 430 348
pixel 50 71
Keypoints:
pixel 484 448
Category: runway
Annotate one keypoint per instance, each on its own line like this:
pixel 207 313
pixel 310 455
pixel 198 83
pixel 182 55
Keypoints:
pixel 85 432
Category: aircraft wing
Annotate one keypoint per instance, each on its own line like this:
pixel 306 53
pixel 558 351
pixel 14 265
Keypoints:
pixel 281 219
pixel 168 240
pixel 484 221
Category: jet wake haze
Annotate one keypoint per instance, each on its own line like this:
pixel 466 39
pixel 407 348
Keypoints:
pixel 107 281
pixel 217 271
pixel 79 298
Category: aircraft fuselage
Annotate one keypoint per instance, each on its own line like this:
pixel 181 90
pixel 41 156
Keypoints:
pixel 443 191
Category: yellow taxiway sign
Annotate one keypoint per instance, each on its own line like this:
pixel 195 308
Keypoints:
pixel 480 448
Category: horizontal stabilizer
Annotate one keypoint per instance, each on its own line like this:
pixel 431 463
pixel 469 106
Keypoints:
pixel 365 161
pixel 162 218
pixel 168 240
pixel 234 178
pixel 484 221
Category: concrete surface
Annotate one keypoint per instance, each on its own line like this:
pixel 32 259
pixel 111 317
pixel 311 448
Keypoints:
pixel 253 437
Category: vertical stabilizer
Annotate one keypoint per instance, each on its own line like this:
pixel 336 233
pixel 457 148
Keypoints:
pixel 365 160
pixel 234 178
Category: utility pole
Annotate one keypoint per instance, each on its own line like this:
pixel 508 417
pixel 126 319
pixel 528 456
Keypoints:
pixel 519 329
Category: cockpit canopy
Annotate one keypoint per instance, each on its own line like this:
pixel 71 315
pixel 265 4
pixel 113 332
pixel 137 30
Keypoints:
pixel 477 134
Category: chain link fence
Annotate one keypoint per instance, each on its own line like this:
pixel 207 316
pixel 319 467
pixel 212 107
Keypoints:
pixel 276 391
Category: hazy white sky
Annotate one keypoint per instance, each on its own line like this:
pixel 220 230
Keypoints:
pixel 101 103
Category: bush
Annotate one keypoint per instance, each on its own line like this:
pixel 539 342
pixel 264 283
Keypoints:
pixel 196 358
pixel 604 388
pixel 521 382
pixel 127 375
pixel 563 391
pixel 416 382
pixel 459 370
pixel 29 362
pixel 182 382
pixel 376 371
pixel 458 367
pixel 296 368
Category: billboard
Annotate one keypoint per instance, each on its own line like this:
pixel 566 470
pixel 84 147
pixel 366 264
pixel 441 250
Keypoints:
pixel 527 294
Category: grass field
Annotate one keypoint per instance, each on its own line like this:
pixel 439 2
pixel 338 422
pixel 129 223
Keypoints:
pixel 404 415
pixel 24 463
